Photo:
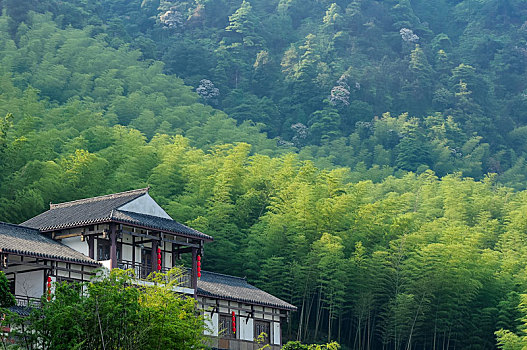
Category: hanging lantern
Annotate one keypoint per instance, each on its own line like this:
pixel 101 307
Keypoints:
pixel 199 266
pixel 158 259
pixel 233 323
pixel 49 288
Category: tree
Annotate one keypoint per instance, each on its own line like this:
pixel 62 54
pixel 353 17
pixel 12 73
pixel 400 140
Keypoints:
pixel 6 298
pixel 508 340
pixel 112 313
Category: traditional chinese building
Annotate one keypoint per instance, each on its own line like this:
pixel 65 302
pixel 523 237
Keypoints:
pixel 32 261
pixel 129 230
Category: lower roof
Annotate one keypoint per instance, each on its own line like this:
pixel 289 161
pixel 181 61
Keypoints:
pixel 216 285
pixel 25 241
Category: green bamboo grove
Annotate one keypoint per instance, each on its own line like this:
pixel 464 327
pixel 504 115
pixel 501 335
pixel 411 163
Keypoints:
pixel 363 160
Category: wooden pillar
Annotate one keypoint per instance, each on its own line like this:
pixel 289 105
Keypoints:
pixel 113 247
pixel 194 273
pixel 174 255
pixel 133 251
pixel 91 246
pixel 153 262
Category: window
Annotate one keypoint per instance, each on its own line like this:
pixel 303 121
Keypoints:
pixel 262 327
pixel 225 329
pixel 103 249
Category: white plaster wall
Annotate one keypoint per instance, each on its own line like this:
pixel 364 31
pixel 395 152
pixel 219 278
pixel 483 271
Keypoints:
pixel 276 333
pixel 77 244
pixel 126 252
pixel 107 264
pixel 138 254
pixel 212 324
pixel 96 251
pixel 30 284
pixel 167 257
pixel 246 329
pixel 145 205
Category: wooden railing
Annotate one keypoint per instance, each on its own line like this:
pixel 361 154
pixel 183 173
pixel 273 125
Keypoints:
pixel 143 270
pixel 25 301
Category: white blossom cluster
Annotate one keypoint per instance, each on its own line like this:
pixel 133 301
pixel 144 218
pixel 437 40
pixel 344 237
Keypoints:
pixel 301 133
pixel 340 94
pixel 172 18
pixel 408 35
pixel 207 90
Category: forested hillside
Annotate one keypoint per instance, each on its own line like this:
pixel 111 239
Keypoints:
pixel 364 160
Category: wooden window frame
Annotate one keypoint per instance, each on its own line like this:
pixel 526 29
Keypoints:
pixel 226 332
pixel 262 326
pixel 106 243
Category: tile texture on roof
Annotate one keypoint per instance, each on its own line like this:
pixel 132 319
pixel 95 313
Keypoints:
pixel 237 289
pixel 105 209
pixel 156 222
pixel 27 241
pixel 82 212
pixel 21 310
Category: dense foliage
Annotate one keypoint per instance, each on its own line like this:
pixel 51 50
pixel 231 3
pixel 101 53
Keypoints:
pixel 399 249
pixel 318 77
pixel 6 298
pixel 508 340
pixel 113 314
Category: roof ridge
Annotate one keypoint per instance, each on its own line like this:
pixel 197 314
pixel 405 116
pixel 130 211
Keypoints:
pixel 230 276
pixel 99 198
pixel 18 226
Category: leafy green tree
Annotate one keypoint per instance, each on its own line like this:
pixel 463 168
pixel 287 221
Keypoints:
pixel 6 298
pixel 113 313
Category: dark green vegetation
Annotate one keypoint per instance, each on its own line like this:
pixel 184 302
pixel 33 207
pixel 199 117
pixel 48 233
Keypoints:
pixel 112 314
pixel 372 256
pixel 316 76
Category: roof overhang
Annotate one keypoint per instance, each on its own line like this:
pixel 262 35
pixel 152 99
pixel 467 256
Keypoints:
pixel 245 301
pixel 49 257
pixel 121 222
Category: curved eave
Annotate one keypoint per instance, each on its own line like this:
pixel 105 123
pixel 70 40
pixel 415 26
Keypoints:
pixel 205 237
pixel 246 301
pixel 75 224
pixel 50 257
pixel 78 224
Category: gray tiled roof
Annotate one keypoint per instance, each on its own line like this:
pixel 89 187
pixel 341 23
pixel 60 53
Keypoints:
pixel 82 212
pixel 237 289
pixel 156 222
pixel 21 310
pixel 30 242
pixel 105 209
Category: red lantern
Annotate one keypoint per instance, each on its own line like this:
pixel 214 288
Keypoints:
pixel 49 288
pixel 199 266
pixel 158 259
pixel 233 322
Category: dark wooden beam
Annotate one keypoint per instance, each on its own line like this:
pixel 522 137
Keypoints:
pixel 164 231
pixel 113 246
pixel 26 271
pixel 91 246
pixel 151 238
pixel 78 234
pixel 194 273
pixel 185 250
pixel 133 249
pixel 154 255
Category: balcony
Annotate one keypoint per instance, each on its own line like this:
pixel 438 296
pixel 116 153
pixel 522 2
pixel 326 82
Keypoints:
pixel 143 270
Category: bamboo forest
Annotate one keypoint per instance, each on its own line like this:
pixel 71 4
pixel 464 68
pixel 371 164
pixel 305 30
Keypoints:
pixel 363 160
